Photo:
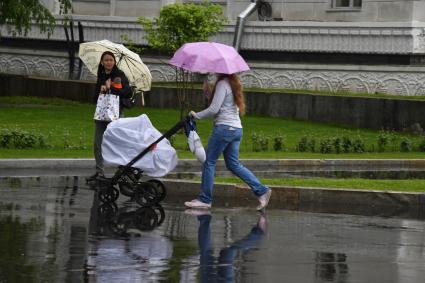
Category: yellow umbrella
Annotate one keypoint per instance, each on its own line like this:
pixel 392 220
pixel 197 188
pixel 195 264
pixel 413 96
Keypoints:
pixel 129 62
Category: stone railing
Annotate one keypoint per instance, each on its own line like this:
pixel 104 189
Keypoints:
pixel 397 80
pixel 363 38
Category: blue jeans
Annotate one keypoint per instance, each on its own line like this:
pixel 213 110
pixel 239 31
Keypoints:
pixel 225 139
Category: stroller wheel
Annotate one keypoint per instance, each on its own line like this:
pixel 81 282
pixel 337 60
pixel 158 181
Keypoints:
pixel 145 219
pixel 107 210
pixel 109 194
pixel 126 189
pixel 125 220
pixel 160 212
pixel 145 194
pixel 160 187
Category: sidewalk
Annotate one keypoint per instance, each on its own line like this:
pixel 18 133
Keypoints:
pixel 17 173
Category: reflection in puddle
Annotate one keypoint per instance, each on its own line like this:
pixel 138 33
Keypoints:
pixel 121 247
pixel 331 267
pixel 40 232
pixel 66 235
pixel 223 267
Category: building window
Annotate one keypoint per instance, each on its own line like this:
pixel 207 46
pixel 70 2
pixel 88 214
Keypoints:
pixel 346 3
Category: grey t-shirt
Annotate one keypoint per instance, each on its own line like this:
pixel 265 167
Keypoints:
pixel 223 107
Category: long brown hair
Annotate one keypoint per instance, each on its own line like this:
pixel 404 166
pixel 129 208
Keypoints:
pixel 237 91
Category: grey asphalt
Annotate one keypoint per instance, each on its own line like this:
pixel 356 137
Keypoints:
pixel 63 234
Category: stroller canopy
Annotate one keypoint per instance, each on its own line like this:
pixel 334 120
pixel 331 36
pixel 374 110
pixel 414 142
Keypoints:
pixel 125 138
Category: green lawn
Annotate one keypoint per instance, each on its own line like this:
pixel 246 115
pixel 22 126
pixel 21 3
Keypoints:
pixel 60 121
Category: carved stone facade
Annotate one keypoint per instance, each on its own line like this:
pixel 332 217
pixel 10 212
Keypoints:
pixel 409 81
pixel 377 79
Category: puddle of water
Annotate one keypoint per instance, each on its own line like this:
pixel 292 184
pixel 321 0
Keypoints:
pixel 66 235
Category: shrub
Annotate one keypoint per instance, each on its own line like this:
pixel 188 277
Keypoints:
pixel 383 139
pixel 422 145
pixel 264 143
pixel 66 141
pixel 256 146
pixel 405 145
pixel 346 144
pixel 26 140
pixel 311 145
pixel 326 145
pixel 179 23
pixel 302 144
pixel 278 143
pixel 21 139
pixel 337 144
pixel 359 145
pixel 6 138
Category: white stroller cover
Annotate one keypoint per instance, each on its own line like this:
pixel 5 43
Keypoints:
pixel 125 138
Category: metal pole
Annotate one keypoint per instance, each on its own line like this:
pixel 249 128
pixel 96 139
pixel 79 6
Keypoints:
pixel 241 21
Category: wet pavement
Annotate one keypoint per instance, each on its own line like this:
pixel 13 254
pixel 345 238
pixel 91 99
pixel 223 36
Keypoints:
pixel 66 235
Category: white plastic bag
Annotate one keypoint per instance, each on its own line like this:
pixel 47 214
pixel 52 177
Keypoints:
pixel 196 147
pixel 125 138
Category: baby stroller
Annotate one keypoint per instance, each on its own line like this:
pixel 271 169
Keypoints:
pixel 127 179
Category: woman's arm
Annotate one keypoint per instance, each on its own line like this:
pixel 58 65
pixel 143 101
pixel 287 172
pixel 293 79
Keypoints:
pixel 219 95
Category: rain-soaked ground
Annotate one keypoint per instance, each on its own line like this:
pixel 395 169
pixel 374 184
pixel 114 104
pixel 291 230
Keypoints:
pixel 66 235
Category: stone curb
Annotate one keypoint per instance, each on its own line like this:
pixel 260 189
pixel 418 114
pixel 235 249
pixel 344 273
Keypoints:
pixel 361 202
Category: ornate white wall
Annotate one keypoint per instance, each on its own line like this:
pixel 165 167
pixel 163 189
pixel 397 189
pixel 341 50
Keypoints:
pixel 328 78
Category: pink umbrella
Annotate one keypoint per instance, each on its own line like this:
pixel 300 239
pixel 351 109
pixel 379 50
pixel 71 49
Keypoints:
pixel 209 57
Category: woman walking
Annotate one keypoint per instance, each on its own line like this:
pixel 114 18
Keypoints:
pixel 111 80
pixel 226 103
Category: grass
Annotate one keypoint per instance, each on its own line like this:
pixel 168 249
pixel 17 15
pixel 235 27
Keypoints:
pixel 59 120
pixel 412 185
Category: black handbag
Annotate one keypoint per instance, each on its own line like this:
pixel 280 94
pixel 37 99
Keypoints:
pixel 129 102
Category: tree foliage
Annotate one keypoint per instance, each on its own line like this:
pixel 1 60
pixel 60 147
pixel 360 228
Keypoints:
pixel 178 24
pixel 18 15
pixel 181 23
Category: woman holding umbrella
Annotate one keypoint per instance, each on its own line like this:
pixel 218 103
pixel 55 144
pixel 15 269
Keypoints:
pixel 226 104
pixel 110 79
pixel 100 58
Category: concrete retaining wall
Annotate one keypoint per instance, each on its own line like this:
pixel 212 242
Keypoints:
pixel 375 113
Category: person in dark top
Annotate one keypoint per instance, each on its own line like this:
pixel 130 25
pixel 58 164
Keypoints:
pixel 110 79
